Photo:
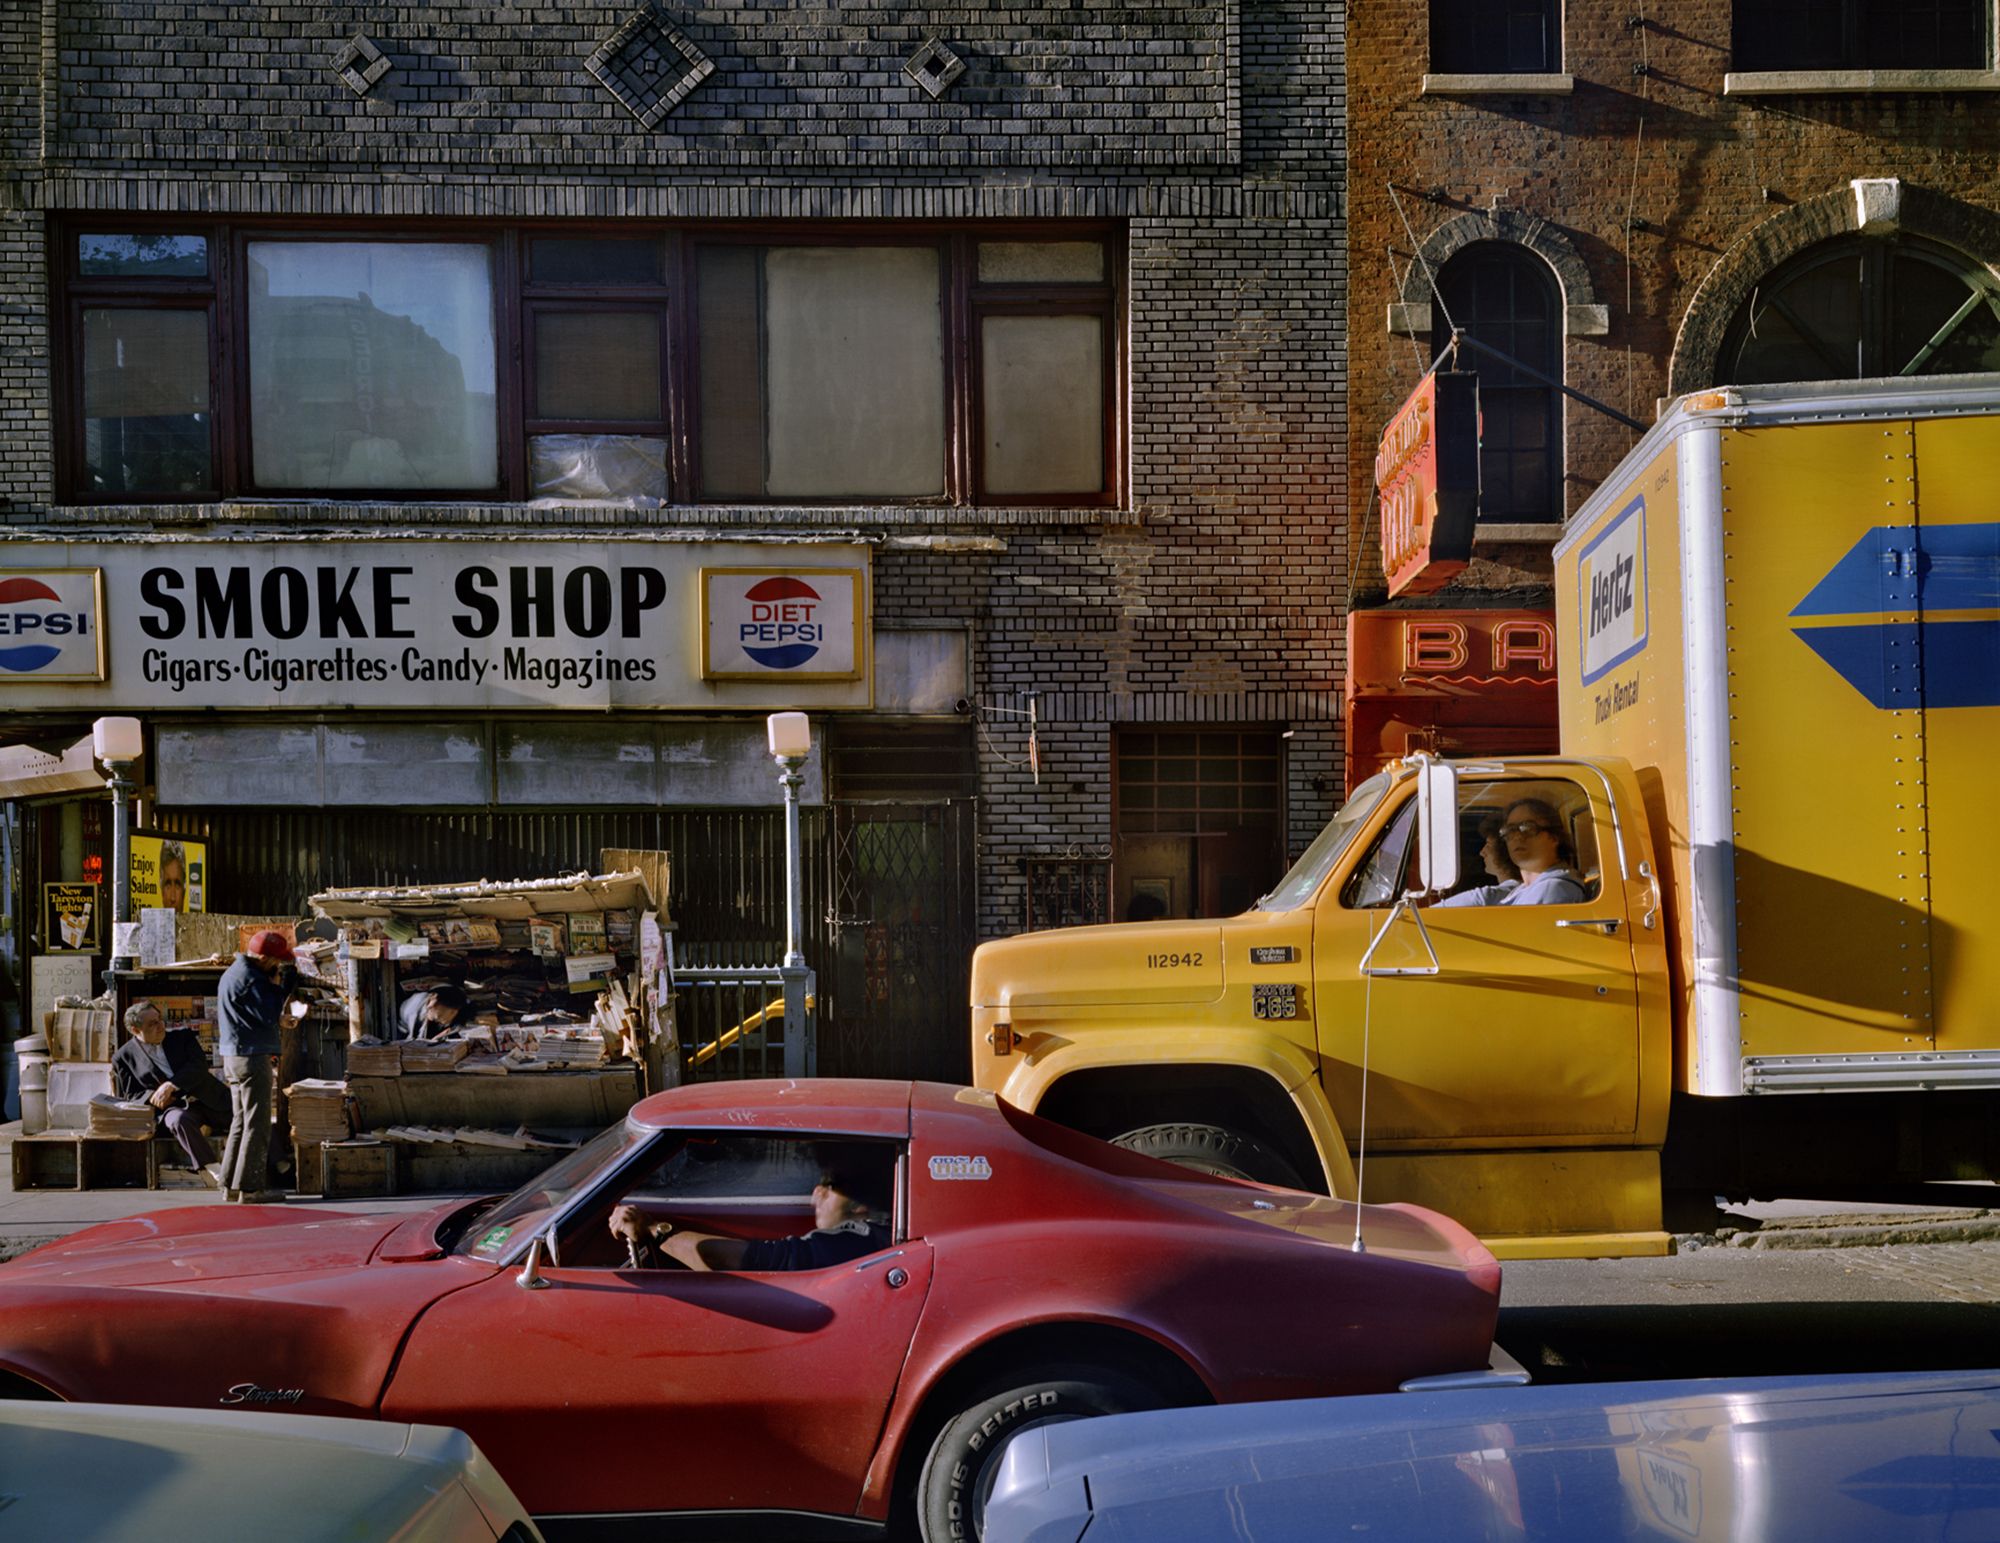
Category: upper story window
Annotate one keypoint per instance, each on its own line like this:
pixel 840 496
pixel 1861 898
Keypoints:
pixel 1506 297
pixel 1862 35
pixel 1496 37
pixel 1862 307
pixel 676 364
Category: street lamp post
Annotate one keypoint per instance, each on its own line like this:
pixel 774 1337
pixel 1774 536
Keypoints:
pixel 118 743
pixel 790 736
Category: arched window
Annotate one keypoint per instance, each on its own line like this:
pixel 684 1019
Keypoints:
pixel 1506 297
pixel 1865 306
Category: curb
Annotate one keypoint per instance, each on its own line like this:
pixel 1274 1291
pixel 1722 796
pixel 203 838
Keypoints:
pixel 1851 1232
pixel 14 1247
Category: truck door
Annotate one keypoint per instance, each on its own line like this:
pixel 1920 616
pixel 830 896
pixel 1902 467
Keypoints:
pixel 1530 1028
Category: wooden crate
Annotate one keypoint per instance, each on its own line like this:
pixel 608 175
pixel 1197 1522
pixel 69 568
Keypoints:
pixel 309 1167
pixel 69 1160
pixel 357 1168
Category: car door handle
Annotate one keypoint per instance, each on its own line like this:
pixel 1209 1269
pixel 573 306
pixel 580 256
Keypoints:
pixel 1608 925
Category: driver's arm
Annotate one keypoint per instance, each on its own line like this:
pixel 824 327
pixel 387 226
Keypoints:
pixel 706 1250
pixel 695 1250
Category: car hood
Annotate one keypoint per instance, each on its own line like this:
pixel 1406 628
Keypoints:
pixel 202 1244
pixel 1884 1456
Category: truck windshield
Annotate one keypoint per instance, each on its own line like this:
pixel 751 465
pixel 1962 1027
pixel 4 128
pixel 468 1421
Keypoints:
pixel 1310 871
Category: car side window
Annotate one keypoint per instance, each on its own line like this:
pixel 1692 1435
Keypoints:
pixel 1525 842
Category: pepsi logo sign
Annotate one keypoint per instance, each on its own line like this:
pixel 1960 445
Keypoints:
pixel 784 623
pixel 48 627
pixel 782 630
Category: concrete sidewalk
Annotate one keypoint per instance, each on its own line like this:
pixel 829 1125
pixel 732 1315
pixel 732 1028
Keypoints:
pixel 33 1217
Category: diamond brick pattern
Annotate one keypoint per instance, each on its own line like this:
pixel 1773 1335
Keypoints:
pixel 650 65
pixel 934 67
pixel 360 64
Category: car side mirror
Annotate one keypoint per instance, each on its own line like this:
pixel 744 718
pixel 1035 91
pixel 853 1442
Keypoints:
pixel 531 1277
pixel 1437 826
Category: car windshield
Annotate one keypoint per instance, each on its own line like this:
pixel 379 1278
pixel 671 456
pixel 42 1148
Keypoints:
pixel 528 1209
pixel 1310 871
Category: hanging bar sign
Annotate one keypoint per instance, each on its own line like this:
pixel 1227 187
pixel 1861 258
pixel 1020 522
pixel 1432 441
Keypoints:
pixel 1427 468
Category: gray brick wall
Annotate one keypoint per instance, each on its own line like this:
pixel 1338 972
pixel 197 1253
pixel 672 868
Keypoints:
pixel 1214 131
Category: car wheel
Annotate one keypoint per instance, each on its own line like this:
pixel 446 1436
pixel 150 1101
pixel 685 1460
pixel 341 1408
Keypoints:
pixel 1213 1149
pixel 959 1472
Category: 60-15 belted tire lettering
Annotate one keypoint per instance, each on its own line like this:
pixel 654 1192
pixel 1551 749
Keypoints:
pixel 958 1475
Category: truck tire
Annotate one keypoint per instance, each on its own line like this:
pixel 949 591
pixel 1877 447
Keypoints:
pixel 1212 1149
pixel 959 1471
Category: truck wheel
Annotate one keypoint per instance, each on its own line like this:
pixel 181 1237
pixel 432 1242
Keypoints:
pixel 1212 1149
pixel 964 1460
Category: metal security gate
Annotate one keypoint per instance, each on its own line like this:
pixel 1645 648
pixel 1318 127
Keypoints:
pixel 888 914
pixel 899 915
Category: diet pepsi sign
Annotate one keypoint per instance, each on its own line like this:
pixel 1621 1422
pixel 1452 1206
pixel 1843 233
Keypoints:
pixel 783 623
pixel 51 625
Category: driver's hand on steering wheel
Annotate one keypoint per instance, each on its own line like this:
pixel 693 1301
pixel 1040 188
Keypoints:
pixel 633 1226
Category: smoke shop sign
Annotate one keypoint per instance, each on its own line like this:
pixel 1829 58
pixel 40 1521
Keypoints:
pixel 470 624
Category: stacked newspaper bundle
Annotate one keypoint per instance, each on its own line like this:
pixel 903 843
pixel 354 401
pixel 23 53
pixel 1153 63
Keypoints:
pixel 120 1117
pixel 319 1110
pixel 570 1047
pixel 433 1055
pixel 372 1058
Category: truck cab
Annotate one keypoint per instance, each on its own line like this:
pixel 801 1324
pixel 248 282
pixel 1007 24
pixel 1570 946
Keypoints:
pixel 1505 1056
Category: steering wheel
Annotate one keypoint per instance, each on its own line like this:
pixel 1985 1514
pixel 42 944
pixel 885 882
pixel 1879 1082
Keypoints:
pixel 648 1257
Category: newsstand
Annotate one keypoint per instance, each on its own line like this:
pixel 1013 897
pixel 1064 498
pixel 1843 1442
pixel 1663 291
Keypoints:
pixel 568 1020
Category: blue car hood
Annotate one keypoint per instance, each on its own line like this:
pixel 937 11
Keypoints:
pixel 1873 1459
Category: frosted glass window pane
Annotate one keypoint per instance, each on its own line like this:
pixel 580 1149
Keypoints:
pixel 729 315
pixel 1041 262
pixel 1043 379
pixel 372 365
pixel 598 364
pixel 854 371
pixel 145 401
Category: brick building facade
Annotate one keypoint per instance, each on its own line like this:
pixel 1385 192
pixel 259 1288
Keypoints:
pixel 1158 188
pixel 1658 200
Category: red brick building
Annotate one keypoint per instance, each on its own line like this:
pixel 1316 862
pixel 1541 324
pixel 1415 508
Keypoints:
pixel 1640 201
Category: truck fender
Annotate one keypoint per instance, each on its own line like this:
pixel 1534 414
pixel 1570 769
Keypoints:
pixel 1049 1058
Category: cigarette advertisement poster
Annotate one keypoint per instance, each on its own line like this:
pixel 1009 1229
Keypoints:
pixel 72 918
pixel 169 872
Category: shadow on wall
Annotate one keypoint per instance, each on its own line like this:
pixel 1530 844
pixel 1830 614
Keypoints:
pixel 1850 953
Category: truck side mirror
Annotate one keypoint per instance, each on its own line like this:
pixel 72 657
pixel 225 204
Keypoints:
pixel 1437 826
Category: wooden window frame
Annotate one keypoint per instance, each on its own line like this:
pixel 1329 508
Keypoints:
pixel 1753 52
pixel 1451 19
pixel 516 299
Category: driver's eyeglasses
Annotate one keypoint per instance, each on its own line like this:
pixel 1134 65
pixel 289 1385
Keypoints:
pixel 1522 828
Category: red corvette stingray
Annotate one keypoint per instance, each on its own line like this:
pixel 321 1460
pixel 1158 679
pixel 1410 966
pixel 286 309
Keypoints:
pixel 1030 1274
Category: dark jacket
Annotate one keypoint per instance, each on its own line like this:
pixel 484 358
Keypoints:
pixel 247 1003
pixel 133 1074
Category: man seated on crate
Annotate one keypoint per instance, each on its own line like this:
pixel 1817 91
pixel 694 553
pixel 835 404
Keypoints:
pixel 169 1070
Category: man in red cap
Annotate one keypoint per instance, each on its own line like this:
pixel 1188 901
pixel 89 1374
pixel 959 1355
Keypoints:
pixel 248 1003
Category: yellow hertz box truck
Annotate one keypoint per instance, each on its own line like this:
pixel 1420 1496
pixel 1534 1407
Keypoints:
pixel 1738 939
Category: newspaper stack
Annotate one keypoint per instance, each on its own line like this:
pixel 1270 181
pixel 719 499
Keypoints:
pixel 433 1055
pixel 319 1110
pixel 570 1047
pixel 372 1058
pixel 120 1117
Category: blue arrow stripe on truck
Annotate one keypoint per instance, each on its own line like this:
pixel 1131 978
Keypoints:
pixel 1911 568
pixel 1911 664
